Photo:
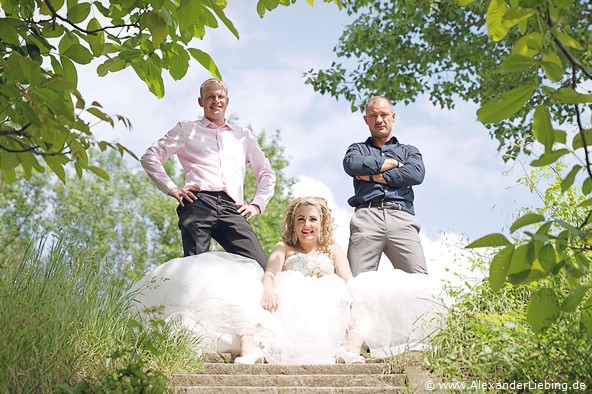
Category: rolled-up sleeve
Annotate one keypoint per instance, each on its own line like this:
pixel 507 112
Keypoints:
pixel 411 174
pixel 359 161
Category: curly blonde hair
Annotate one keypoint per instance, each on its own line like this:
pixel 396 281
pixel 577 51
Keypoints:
pixel 289 233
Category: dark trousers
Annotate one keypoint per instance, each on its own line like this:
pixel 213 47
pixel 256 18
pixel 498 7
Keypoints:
pixel 215 215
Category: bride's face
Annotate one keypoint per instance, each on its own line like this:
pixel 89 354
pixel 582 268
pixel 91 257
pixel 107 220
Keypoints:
pixel 307 224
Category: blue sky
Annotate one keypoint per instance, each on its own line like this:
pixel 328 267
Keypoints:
pixel 466 190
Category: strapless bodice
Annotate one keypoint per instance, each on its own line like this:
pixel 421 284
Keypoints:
pixel 310 265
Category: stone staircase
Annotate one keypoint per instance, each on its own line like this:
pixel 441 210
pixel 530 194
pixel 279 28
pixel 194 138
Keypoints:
pixel 376 376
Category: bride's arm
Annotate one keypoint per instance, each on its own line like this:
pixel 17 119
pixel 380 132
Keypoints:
pixel 341 263
pixel 275 263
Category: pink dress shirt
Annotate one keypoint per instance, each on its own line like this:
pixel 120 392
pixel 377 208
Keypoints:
pixel 214 159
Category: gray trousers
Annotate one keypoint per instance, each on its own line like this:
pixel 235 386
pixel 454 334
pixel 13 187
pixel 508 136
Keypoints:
pixel 395 233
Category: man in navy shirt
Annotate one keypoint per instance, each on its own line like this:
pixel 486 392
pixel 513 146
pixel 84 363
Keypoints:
pixel 384 172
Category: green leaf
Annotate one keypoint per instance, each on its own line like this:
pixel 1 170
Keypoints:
pixel 111 65
pixel 70 71
pixel 522 269
pixel 573 230
pixel 515 15
pixel 55 103
pixel 56 166
pixel 157 25
pixel 97 39
pixel 227 22
pixel 206 61
pixel 78 53
pixel 9 176
pixel 542 130
pixel 79 12
pixel 516 63
pixel 574 298
pixel 567 95
pixel 586 317
pixel 569 41
pixel 542 309
pixel 498 269
pixel 464 2
pixel 549 157
pixel 186 14
pixel 529 45
pixel 178 61
pixel 490 240
pixel 578 139
pixel 553 67
pixel 587 186
pixel 506 105
pixel 570 178
pixel 528 219
pixel 495 20
pixel 100 172
pixel 151 74
pixel 547 258
pixel 9 31
pixel 101 115
pixel 8 160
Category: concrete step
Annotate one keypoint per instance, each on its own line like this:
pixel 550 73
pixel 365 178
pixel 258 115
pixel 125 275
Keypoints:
pixel 296 380
pixel 222 376
pixel 274 369
pixel 289 390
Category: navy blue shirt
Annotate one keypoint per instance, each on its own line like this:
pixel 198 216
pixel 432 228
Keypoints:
pixel 366 158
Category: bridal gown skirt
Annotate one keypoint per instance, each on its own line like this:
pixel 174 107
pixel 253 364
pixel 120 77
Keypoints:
pixel 214 295
pixel 395 311
pixel 311 320
pixel 218 297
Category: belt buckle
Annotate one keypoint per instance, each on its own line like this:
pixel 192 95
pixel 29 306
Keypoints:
pixel 381 206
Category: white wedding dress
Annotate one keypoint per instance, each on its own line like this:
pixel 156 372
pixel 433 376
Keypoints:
pixel 218 296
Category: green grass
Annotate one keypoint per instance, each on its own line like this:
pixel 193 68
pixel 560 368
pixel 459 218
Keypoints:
pixel 486 337
pixel 65 326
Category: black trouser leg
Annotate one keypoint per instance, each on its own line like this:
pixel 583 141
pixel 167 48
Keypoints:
pixel 236 235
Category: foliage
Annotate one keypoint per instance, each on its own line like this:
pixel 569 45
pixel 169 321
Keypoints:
pixel 65 321
pixel 485 336
pixel 125 222
pixel 558 246
pixel 133 377
pixel 42 44
pixel 404 49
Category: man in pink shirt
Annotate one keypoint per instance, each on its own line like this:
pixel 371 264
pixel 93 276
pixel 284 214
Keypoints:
pixel 214 155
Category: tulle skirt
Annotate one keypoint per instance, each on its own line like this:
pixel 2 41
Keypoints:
pixel 395 311
pixel 218 297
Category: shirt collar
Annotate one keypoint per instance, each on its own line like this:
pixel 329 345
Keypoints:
pixel 205 122
pixel 392 141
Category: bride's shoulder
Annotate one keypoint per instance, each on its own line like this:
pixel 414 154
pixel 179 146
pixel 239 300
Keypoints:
pixel 281 248
pixel 335 249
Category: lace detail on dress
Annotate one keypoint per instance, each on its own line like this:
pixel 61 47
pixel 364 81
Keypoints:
pixel 310 265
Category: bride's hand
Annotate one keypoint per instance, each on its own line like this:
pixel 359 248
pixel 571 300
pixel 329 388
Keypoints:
pixel 269 301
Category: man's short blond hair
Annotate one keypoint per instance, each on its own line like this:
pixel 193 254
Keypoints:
pixel 212 80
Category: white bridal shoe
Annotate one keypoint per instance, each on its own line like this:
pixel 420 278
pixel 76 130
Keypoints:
pixel 343 356
pixel 255 357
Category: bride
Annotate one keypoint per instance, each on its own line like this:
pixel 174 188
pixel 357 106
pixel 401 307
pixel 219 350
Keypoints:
pixel 304 309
